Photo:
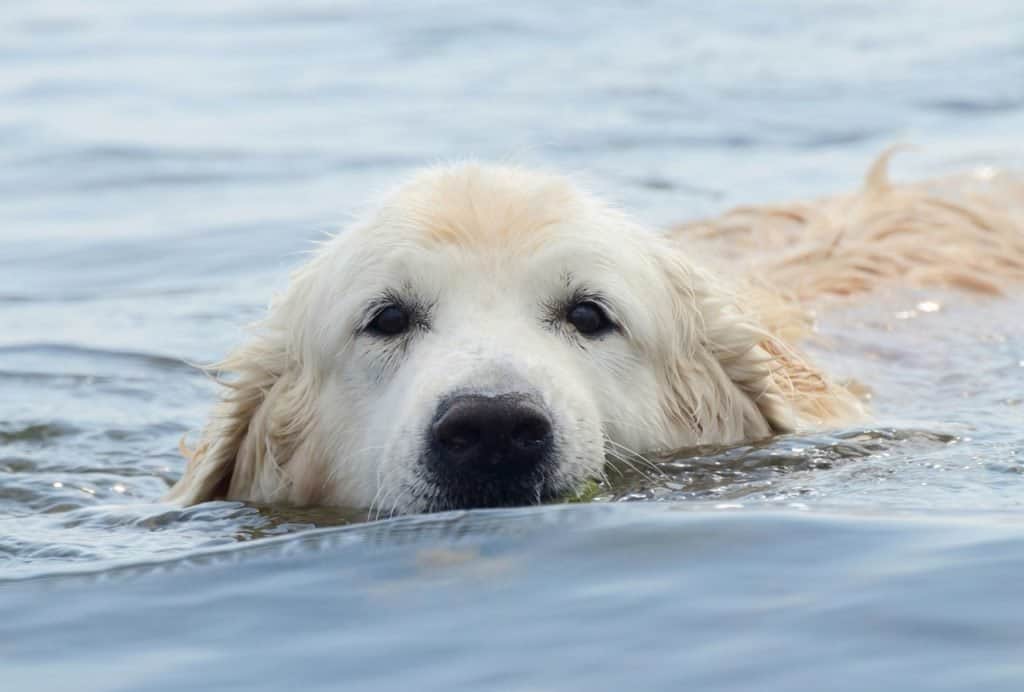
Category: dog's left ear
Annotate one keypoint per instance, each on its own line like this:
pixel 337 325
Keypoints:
pixel 735 374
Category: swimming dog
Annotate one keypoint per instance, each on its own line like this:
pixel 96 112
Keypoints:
pixel 489 336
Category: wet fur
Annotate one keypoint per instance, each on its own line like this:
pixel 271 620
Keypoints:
pixel 729 366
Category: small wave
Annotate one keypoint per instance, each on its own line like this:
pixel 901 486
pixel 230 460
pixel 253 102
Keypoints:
pixel 715 471
pixel 39 432
pixel 978 106
pixel 54 349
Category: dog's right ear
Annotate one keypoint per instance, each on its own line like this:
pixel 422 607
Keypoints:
pixel 238 434
pixel 266 415
pixel 263 422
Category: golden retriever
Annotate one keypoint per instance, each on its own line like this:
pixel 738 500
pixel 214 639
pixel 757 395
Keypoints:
pixel 488 335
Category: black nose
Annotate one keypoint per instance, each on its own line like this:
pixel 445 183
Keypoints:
pixel 507 436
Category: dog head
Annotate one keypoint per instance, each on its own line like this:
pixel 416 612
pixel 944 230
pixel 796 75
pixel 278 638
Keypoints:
pixel 484 338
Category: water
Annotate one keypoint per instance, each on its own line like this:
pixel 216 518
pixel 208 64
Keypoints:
pixel 161 168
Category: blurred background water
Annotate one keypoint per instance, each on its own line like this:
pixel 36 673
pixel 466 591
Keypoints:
pixel 163 166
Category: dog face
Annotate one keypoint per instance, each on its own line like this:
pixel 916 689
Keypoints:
pixel 483 339
pixel 492 327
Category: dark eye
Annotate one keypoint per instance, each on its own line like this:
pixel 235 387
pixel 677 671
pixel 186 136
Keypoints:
pixel 392 320
pixel 589 318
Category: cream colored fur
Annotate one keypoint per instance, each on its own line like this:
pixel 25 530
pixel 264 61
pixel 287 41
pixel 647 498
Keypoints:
pixel 315 412
pixel 964 232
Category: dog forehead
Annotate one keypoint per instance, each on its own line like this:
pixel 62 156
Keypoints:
pixel 485 206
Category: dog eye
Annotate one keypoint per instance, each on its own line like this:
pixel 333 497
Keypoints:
pixel 392 320
pixel 589 318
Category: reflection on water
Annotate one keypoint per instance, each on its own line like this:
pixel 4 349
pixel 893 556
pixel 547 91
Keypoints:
pixel 161 168
pixel 568 598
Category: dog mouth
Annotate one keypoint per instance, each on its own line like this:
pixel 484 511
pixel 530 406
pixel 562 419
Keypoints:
pixel 442 495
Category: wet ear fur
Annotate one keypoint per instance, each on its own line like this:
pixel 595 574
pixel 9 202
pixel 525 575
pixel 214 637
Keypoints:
pixel 252 429
pixel 734 373
pixel 266 417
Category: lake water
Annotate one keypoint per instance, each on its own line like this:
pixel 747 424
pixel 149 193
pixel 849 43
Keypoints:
pixel 163 166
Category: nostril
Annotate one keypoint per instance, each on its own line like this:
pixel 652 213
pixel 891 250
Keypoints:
pixel 490 436
pixel 459 436
pixel 531 432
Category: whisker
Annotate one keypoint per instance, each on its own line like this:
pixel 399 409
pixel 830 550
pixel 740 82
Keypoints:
pixel 633 455
pixel 631 466
pixel 633 460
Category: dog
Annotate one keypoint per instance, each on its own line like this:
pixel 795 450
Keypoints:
pixel 488 336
